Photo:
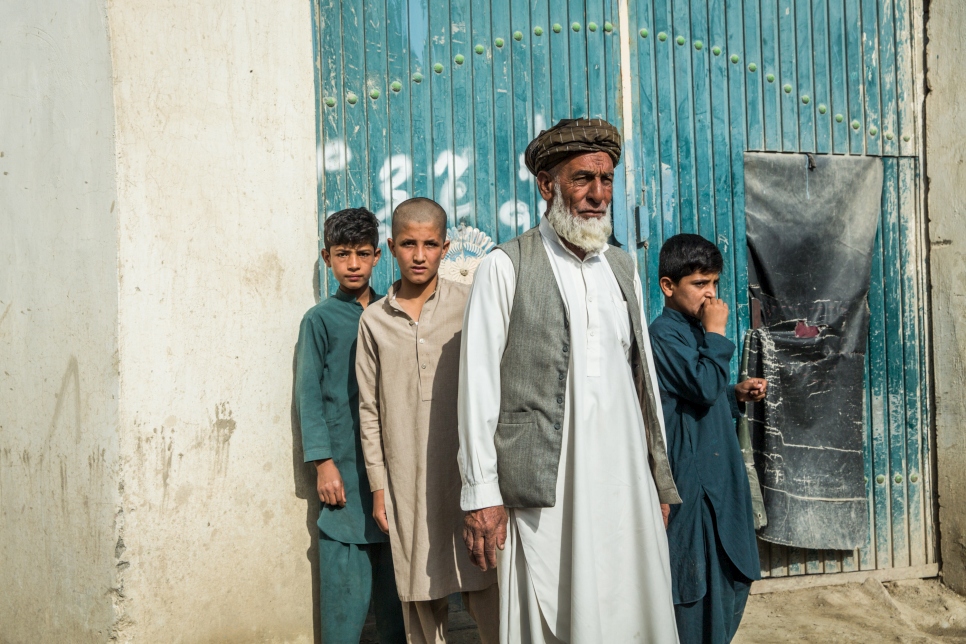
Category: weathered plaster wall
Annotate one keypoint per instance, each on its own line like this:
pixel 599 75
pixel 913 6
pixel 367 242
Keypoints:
pixel 58 322
pixel 946 173
pixel 218 241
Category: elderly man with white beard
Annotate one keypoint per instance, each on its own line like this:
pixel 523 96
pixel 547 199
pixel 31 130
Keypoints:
pixel 562 448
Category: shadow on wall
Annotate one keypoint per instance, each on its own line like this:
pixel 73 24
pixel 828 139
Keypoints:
pixel 316 286
pixel 305 486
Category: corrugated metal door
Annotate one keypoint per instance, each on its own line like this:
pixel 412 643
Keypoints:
pixel 714 79
pixel 440 98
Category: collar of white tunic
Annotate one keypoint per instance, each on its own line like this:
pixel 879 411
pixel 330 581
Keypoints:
pixel 550 234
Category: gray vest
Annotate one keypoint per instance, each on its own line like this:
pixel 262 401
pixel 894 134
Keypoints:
pixel 533 379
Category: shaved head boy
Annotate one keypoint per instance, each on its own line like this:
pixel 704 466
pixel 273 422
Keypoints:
pixel 418 210
pixel 408 368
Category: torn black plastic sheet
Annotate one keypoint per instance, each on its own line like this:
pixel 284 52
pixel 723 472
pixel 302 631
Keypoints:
pixel 811 226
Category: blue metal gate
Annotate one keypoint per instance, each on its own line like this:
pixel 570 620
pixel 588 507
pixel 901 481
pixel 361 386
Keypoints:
pixel 440 98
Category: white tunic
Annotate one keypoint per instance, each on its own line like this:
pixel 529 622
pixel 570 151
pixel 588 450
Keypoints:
pixel 593 568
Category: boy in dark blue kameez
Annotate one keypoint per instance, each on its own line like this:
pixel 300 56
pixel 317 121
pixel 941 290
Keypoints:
pixel 711 534
pixel 355 559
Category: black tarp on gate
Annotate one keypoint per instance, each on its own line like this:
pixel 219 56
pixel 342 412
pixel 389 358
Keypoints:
pixel 811 223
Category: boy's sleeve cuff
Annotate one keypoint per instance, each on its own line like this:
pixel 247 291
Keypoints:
pixel 737 408
pixel 481 495
pixel 377 477
pixel 317 454
pixel 718 342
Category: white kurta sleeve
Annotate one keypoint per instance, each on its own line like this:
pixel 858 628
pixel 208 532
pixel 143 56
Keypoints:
pixel 485 325
pixel 650 357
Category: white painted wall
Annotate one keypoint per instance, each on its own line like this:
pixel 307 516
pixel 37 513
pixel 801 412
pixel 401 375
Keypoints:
pixel 58 322
pixel 946 175
pixel 216 174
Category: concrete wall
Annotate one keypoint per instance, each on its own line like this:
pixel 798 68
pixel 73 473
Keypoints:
pixel 216 177
pixel 946 174
pixel 58 322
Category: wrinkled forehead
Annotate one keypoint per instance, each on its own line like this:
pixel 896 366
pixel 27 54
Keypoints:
pixel 595 163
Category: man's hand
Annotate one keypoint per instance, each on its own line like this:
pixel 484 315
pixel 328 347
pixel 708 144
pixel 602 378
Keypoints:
pixel 714 316
pixel 751 390
pixel 484 531
pixel 328 483
pixel 665 513
pixel 379 510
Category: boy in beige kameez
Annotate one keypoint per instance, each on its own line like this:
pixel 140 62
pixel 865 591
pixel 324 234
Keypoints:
pixel 407 365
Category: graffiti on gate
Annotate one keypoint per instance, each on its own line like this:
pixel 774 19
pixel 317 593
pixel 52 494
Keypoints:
pixel 451 168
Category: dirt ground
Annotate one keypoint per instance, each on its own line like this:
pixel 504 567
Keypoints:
pixel 915 612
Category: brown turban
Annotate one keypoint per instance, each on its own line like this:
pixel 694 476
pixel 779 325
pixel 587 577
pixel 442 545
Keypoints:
pixel 570 137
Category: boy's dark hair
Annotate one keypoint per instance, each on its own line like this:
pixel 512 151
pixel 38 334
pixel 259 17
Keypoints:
pixel 684 255
pixel 351 227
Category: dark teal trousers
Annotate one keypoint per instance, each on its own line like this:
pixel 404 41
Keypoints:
pixel 351 575
pixel 714 618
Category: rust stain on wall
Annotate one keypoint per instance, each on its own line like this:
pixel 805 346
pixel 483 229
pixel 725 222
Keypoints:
pixel 222 428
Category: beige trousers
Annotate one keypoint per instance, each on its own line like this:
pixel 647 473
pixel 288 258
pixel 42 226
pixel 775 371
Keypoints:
pixel 427 621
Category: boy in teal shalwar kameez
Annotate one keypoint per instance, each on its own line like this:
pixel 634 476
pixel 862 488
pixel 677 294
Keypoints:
pixel 355 559
pixel 711 534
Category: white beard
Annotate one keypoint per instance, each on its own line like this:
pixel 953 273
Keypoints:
pixel 589 235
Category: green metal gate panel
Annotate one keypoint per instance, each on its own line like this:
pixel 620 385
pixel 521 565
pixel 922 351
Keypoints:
pixel 439 98
pixel 715 78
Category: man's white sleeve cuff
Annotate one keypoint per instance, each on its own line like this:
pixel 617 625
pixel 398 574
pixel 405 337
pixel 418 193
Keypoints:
pixel 481 495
